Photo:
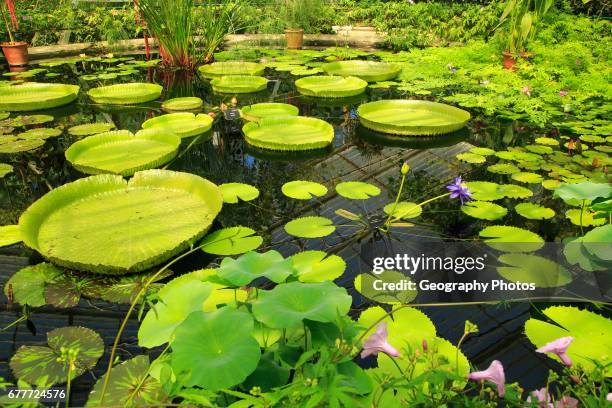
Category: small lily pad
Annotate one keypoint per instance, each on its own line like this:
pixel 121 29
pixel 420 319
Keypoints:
pixel 183 104
pixel 89 129
pixel 317 266
pixel 472 158
pixel 9 235
pixel 234 191
pixel 587 220
pixel 28 284
pixel 551 184
pixel 511 239
pixel 484 210
pixel 310 227
pixel 303 190
pixel 403 210
pixel 547 141
pixel 231 241
pixel 534 211
pixel 253 265
pixel 369 285
pixel 503 168
pixel 357 190
pixel 526 177
pixel 514 191
pixel 483 151
pixel 543 272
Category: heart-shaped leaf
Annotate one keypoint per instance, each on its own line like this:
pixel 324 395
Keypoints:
pixel 403 210
pixel 584 218
pixel 28 284
pixel 231 241
pixel 253 265
pixel 234 191
pixel 303 190
pixel 543 272
pixel 534 211
pixel 317 266
pixel 511 239
pixel 484 210
pixel 310 227
pixel 357 190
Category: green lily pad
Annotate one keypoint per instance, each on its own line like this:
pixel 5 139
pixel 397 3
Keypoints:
pixel 551 184
pixel 4 115
pixel 89 129
pixel 526 177
pixel 126 94
pixel 370 71
pixel 483 151
pixel 539 149
pixel 239 84
pixel 231 241
pixel 19 146
pixel 28 284
pixel 543 272
pixel 39 133
pixel 225 68
pixel 403 210
pixel 471 158
pixel 503 168
pixel 514 191
pixel 48 365
pixel 586 220
pixel 485 190
pixel 29 120
pixel 547 141
pixel 303 190
pixel 289 133
pixel 234 191
pixel 183 124
pixel 583 191
pixel 575 253
pixel 9 235
pixel 484 210
pixel 310 227
pixel 534 211
pixel 598 242
pixel 288 305
pixel 227 353
pixel 122 289
pixel 330 86
pixel 36 96
pixel 268 110
pixel 357 190
pixel 369 285
pixel 183 104
pixel 511 239
pixel 317 266
pixel 254 265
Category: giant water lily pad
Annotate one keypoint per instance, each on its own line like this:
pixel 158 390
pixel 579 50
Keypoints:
pixel 412 117
pixel 591 333
pixel 310 227
pixel 126 94
pixel 231 241
pixel 183 104
pixel 287 305
pixel 331 86
pixel 484 210
pixel 511 239
pixel 317 266
pixel 89 129
pixel 9 235
pixel 36 96
pixel 370 71
pixel 48 365
pixel 544 273
pixel 268 110
pixel 289 133
pixel 223 345
pixel 122 152
pixel 183 124
pixel 226 68
pixel 239 84
pixel 253 265
pixel 303 190
pixel 106 224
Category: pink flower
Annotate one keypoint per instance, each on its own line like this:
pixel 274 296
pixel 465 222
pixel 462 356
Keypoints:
pixel 558 347
pixel 566 402
pixel 609 397
pixel 377 343
pixel 495 374
pixel 526 90
pixel 542 397
pixel 562 93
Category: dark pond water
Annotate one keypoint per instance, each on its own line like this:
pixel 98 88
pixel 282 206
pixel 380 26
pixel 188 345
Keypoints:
pixel 357 154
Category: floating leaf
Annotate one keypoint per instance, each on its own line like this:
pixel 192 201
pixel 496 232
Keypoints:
pixel 583 191
pixel 303 190
pixel 330 86
pixel 239 84
pixel 357 190
pixel 404 210
pixel 543 272
pixel 511 239
pixel 122 289
pixel 503 168
pixel 598 242
pixel 36 96
pixel 371 286
pixel 317 266
pixel 48 365
pixel 254 265
pixel 183 104
pixel 289 133
pixel 539 149
pixel 534 211
pixel 483 151
pixel 551 184
pixel 268 110
pixel 18 146
pixel 514 191
pixel 526 177
pixel 289 304
pixel 591 333
pixel 126 94
pixel 370 71
pixel 231 241
pixel 234 191
pixel 576 253
pixel 183 124
pixel 584 218
pixel 547 141
pixel 9 235
pixel 485 190
pixel 227 353
pixel 310 227
pixel 39 133
pixel 484 210
pixel 28 284
pixel 223 68
pixel 471 158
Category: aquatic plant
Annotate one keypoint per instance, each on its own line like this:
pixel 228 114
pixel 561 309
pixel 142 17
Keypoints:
pixel 36 96
pixel 289 133
pixel 125 94
pixel 331 86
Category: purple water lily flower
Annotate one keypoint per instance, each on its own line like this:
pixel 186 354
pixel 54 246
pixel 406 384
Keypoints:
pixel 558 347
pixel 377 343
pixel 542 398
pixel 495 374
pixel 459 190
pixel 567 402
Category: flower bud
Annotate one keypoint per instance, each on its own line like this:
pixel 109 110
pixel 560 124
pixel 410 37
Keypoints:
pixel 425 346
pixel 405 168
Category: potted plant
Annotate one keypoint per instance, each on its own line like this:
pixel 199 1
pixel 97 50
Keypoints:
pixel 298 15
pixel 522 18
pixel 16 52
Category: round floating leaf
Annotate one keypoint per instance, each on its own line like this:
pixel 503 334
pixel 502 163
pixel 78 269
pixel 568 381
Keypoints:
pixel 592 139
pixel 303 190
pixel 576 253
pixel 539 149
pixel 177 300
pixel 534 211
pixel 543 272
pixel 89 129
pixel 317 266
pixel 310 227
pixel 598 242
pixel 4 115
pixel 483 151
pixel 234 191
pixel 357 190
pixel 126 94
pixel 518 156
pixel 90 224
pixel 471 158
pixel 48 365
pixel 183 104
pixel 370 71
pixel 485 190
pixel 231 241
pixel 584 218
pixel 404 210
pixel 514 191
pixel 39 133
pixel 484 210
pixel 412 117
pixel 591 333
pixel 547 141
pixel 18 146
pixel 22 121
pixel 9 235
pixel 225 68
pixel 525 177
pixel 551 184
pixel 583 191
pixel 268 110
pixel 503 168
pixel 511 239
pixel 121 152
pixel 394 293
pixel 224 345
pixel 239 84
pixel 183 124
pixel 129 385
pixel 28 284
pixel 330 86
pixel 287 305
pixel 253 265
pixel 289 133
pixel 36 96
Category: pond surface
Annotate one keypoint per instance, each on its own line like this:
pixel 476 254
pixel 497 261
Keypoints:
pixel 357 154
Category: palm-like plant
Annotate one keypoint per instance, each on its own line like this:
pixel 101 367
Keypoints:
pixel 188 36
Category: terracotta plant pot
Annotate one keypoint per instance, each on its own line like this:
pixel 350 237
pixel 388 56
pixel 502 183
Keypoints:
pixel 16 53
pixel 295 38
